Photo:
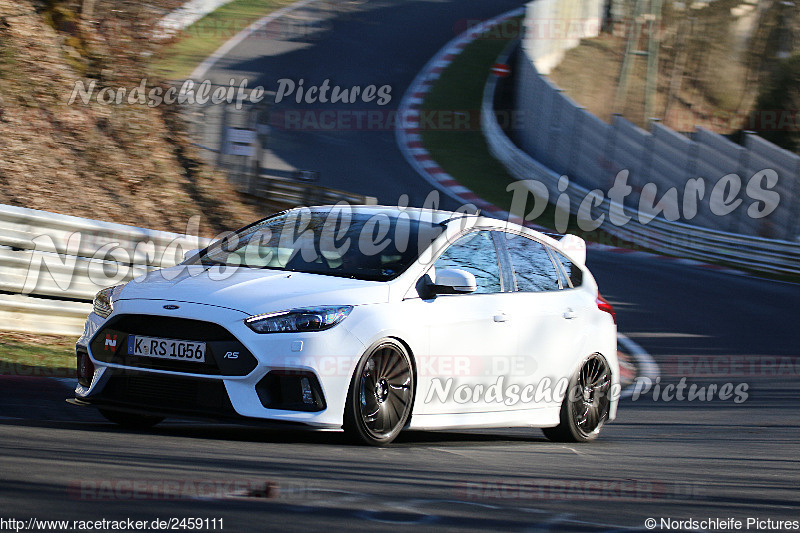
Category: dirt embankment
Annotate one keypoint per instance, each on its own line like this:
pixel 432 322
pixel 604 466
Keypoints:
pixel 131 164
pixel 713 60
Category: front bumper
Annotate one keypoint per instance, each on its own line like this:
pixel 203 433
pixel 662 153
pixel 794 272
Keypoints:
pixel 249 387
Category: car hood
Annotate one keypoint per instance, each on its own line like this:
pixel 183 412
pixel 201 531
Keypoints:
pixel 253 291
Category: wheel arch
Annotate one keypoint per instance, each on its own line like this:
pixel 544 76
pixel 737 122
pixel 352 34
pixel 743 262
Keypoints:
pixel 413 358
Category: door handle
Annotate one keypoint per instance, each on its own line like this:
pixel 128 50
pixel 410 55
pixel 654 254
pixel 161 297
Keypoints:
pixel 501 317
pixel 569 313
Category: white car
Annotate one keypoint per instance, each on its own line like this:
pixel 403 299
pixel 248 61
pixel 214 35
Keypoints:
pixel 368 319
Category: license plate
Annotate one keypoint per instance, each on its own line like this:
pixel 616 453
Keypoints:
pixel 167 348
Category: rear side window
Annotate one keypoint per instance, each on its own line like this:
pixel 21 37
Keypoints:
pixel 573 272
pixel 534 271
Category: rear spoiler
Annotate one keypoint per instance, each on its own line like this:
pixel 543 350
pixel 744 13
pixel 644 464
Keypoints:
pixel 574 247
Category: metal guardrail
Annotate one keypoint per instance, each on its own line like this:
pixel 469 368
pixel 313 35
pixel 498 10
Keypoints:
pixel 37 315
pixel 286 192
pixel 184 16
pixel 566 138
pixel 673 238
pixel 52 265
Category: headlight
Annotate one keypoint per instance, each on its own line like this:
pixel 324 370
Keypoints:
pixel 103 303
pixel 298 320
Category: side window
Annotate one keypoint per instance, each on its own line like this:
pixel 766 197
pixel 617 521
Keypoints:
pixel 475 253
pixel 574 273
pixel 533 269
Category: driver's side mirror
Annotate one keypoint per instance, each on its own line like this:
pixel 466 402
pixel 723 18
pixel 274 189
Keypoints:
pixel 453 281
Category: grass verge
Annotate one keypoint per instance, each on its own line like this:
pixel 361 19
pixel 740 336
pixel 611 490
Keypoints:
pixel 23 354
pixel 179 58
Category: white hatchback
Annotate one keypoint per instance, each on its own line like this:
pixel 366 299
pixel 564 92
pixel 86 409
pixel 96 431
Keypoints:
pixel 368 319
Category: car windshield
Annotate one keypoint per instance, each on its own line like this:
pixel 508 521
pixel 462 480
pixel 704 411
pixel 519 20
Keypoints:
pixel 338 242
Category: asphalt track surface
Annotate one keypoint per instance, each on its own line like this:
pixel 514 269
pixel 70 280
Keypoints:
pixel 379 43
pixel 661 459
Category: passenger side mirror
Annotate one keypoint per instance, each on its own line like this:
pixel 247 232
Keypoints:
pixel 453 281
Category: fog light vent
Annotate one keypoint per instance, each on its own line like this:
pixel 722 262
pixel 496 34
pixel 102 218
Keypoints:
pixel 308 396
pixel 85 369
pixel 291 391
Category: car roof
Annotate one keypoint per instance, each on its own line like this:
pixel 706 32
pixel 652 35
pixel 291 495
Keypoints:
pixel 438 216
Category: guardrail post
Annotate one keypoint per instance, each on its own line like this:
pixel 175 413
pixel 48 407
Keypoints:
pixel 255 176
pixel 554 125
pixel 691 169
pixel 611 146
pixel 743 165
pixel 223 136
pixel 577 138
pixel 646 164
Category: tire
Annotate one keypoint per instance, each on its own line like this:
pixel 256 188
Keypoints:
pixel 131 420
pixel 585 407
pixel 381 395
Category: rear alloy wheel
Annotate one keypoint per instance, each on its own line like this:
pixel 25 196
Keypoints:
pixel 586 403
pixel 381 394
pixel 131 420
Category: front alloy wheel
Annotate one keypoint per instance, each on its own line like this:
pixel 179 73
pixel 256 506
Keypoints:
pixel 381 394
pixel 586 403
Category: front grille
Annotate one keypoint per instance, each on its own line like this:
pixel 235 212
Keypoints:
pixel 167 394
pixel 170 327
pixel 110 345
